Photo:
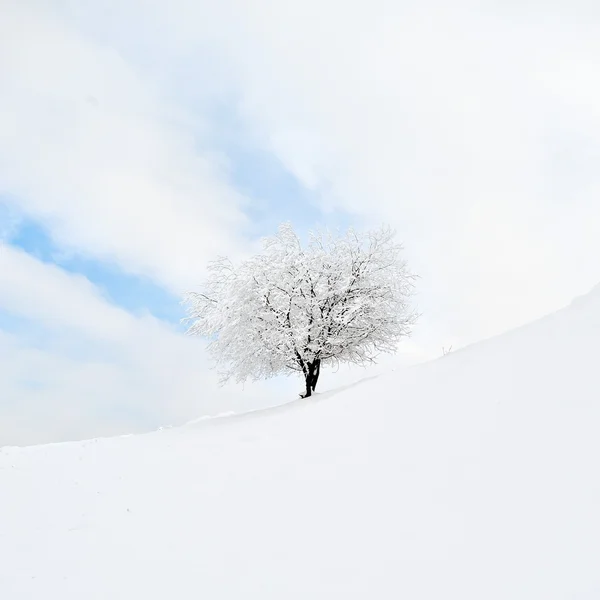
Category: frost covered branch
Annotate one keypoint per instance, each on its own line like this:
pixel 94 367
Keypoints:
pixel 340 299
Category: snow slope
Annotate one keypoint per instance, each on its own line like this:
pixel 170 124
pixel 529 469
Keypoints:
pixel 472 477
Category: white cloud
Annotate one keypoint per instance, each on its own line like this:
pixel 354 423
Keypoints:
pixel 83 367
pixel 9 223
pixel 98 152
pixel 443 121
pixel 447 121
pixel 457 124
pixel 473 129
pixel 57 299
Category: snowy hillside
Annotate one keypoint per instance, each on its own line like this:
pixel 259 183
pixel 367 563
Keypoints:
pixel 474 477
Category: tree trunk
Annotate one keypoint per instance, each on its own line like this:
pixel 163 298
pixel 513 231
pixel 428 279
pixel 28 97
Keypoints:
pixel 316 373
pixel 312 376
pixel 308 391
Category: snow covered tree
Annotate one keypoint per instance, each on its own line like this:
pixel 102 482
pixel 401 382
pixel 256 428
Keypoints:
pixel 291 309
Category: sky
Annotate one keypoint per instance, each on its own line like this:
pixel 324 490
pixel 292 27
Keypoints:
pixel 141 139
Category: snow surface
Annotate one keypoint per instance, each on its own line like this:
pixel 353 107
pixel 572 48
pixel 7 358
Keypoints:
pixel 472 477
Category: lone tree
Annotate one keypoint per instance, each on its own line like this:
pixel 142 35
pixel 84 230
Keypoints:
pixel 294 309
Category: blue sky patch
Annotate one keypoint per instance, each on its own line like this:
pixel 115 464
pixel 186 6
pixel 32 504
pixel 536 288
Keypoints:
pixel 131 292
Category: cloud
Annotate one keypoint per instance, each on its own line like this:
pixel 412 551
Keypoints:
pixel 99 153
pixel 47 294
pixel 454 123
pixel 473 130
pixel 446 122
pixel 78 366
pixel 9 222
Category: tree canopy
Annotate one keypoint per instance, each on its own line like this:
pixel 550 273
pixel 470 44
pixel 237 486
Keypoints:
pixel 292 309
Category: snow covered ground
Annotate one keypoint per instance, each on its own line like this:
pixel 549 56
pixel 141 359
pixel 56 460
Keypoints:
pixel 474 477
